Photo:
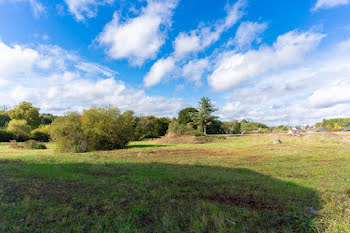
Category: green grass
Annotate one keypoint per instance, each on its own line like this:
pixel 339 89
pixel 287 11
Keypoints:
pixel 243 184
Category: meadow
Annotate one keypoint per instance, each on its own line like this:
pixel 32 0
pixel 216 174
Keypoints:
pixel 232 184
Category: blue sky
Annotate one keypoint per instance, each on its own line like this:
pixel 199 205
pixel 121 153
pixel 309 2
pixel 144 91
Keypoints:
pixel 277 62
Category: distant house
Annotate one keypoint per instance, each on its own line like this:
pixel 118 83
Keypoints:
pixel 296 129
pixel 317 129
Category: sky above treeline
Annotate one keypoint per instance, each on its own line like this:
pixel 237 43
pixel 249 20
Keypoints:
pixel 272 61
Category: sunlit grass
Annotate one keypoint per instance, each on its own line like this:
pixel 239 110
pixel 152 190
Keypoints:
pixel 301 185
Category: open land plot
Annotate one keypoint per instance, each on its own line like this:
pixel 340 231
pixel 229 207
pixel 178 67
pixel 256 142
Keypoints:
pixel 236 184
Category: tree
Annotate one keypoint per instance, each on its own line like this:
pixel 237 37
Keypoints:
pixel 236 127
pixel 4 119
pixel 185 115
pixel 203 117
pixel 20 129
pixel 151 127
pixel 26 111
pixel 68 134
pixel 47 118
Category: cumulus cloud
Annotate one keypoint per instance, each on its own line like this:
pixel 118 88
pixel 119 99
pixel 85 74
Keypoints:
pixel 189 43
pixel 304 94
pixel 326 4
pixel 200 38
pixel 247 33
pixel 59 81
pixel 159 70
pixel 140 38
pixel 232 68
pixel 82 9
pixel 195 69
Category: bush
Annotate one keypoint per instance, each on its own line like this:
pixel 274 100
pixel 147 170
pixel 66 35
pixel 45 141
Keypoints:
pixel 180 129
pixel 19 129
pixel 96 129
pixel 150 127
pixel 107 129
pixel 41 134
pixel 32 144
pixel 5 136
pixel 68 134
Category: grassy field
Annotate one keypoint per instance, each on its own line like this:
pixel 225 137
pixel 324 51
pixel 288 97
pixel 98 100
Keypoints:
pixel 242 184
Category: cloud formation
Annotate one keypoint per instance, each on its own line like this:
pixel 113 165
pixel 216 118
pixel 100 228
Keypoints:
pixel 247 33
pixel 138 39
pixel 82 9
pixel 326 4
pixel 59 81
pixel 303 94
pixel 37 7
pixel 232 68
pixel 194 41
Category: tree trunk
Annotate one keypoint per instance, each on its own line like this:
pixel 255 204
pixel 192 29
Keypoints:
pixel 205 129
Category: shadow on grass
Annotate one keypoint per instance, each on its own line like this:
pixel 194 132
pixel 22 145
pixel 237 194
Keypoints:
pixel 149 197
pixel 142 146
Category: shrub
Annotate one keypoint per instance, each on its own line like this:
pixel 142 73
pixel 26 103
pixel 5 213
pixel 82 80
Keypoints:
pixel 107 129
pixel 180 129
pixel 96 129
pixel 5 136
pixel 32 144
pixel 41 134
pixel 68 134
pixel 150 127
pixel 19 129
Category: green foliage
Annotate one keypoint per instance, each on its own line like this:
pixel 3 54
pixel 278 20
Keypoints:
pixel 252 127
pixel 47 118
pixel 185 115
pixel 5 136
pixel 107 129
pixel 41 134
pixel 68 134
pixel 216 127
pixel 204 117
pixel 180 129
pixel 4 119
pixel 150 127
pixel 32 144
pixel 26 111
pixel 236 127
pixel 334 124
pixel 20 129
pixel 96 129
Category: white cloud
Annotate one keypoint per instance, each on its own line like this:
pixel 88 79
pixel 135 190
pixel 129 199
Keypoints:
pixel 195 69
pixel 200 38
pixel 344 45
pixel 82 9
pixel 326 4
pixel 305 94
pixel 187 43
pixel 233 68
pixel 140 38
pixel 37 7
pixel 67 83
pixel 247 33
pixel 159 69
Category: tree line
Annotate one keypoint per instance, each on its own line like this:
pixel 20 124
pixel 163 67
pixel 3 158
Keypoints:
pixel 107 128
